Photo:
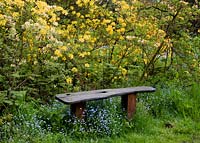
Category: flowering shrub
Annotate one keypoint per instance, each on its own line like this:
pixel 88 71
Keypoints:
pixel 29 37
pixel 105 42
pixel 88 44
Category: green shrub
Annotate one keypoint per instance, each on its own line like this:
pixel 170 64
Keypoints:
pixel 172 99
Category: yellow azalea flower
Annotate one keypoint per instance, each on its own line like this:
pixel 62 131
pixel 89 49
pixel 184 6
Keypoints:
pixel 123 24
pixel 63 48
pixel 58 8
pixel 113 24
pixel 93 40
pixel 64 59
pixel 85 1
pixel 30 1
pixel 109 29
pixel 41 4
pixel 71 7
pixel 78 2
pixel 137 51
pixel 106 21
pixel 71 56
pixel 81 39
pixel 124 5
pixel 145 60
pixel 121 37
pixel 82 55
pixel 58 53
pixel 92 3
pixel 120 20
pixel 88 53
pixel 86 37
pixel 122 30
pixel 15 14
pixel 42 21
pixel 114 79
pixel 74 22
pixel 64 12
pixel 85 53
pixel 2 21
pixel 28 57
pixel 19 3
pixel 87 32
pixel 78 14
pixel 118 30
pixel 53 18
pixel 43 31
pixel 69 80
pixel 74 70
pixel 87 65
pixel 124 71
pixel 73 12
pixel 82 26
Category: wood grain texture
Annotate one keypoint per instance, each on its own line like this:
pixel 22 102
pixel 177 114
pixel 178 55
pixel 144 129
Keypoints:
pixel 76 97
pixel 78 109
pixel 129 104
pixel 131 107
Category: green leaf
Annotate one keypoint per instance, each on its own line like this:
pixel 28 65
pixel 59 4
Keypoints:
pixel 1 78
pixel 16 75
pixel 8 102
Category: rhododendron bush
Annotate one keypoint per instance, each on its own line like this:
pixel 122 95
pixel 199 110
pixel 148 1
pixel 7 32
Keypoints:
pixel 47 48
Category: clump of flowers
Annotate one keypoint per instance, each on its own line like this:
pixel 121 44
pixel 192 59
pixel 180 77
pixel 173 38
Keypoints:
pixel 86 39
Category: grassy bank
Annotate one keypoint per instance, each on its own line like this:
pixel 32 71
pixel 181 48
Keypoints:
pixel 170 115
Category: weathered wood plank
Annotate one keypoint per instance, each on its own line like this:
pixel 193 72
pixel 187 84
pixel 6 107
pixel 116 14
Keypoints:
pixel 76 97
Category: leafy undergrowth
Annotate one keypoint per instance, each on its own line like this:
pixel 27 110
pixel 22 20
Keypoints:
pixel 33 122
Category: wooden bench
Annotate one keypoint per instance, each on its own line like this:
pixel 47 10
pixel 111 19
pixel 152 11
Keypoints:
pixel 78 100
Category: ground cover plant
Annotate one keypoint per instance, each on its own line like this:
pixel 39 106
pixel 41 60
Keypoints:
pixel 32 122
pixel 50 47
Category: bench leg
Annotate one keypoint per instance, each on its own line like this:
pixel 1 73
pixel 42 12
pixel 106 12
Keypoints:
pixel 129 104
pixel 77 109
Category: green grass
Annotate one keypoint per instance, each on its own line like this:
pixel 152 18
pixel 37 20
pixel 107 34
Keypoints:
pixel 144 128
pixel 157 134
pixel 173 120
